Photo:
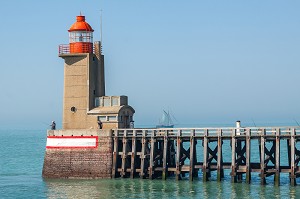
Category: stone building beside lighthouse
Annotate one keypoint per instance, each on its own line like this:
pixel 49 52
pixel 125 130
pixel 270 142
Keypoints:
pixel 84 101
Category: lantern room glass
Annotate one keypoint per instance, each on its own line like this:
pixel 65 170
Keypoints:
pixel 81 36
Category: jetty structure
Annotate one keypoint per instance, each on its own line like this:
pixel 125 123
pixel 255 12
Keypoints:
pixel 83 150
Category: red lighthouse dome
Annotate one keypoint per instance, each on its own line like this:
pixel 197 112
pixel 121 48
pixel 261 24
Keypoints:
pixel 81 36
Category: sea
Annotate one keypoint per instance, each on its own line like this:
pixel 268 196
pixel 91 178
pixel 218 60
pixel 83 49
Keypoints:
pixel 21 163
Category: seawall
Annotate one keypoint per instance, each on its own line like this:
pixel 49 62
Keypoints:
pixel 78 154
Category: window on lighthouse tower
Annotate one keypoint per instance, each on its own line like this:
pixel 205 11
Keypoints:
pixel 81 37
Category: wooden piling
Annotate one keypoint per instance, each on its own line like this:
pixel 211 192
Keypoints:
pixel 248 156
pixel 152 149
pixel 133 154
pixel 219 161
pixel 205 156
pixel 178 155
pixel 142 156
pixel 277 158
pixel 124 155
pixel 262 158
pixel 165 169
pixel 292 173
pixel 233 157
pixel 239 155
pixel 192 155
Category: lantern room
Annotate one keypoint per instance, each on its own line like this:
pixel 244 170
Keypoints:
pixel 81 36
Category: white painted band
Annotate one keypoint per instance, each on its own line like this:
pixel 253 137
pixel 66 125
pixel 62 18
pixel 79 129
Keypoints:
pixel 71 142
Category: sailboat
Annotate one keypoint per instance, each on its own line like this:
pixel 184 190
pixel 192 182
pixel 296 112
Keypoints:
pixel 165 121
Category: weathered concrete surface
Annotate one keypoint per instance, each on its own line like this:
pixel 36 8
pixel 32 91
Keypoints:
pixel 83 85
pixel 82 162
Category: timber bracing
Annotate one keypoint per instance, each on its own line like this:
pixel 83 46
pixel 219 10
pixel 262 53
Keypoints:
pixel 161 153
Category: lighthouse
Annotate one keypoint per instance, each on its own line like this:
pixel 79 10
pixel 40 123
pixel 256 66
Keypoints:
pixel 84 100
pixel 81 149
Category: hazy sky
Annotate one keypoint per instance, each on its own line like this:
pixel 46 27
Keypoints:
pixel 208 62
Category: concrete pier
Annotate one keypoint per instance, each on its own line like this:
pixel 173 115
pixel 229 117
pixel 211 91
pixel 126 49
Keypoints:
pixel 162 153
pixel 70 157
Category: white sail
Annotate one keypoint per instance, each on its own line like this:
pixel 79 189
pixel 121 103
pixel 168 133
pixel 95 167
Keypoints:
pixel 165 121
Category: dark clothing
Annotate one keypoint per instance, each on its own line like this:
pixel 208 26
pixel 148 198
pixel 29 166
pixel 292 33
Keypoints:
pixel 131 124
pixel 99 124
pixel 53 126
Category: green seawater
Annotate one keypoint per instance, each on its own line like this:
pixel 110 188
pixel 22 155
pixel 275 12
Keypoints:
pixel 21 162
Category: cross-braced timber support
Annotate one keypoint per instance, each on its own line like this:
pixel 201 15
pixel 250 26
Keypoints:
pixel 153 153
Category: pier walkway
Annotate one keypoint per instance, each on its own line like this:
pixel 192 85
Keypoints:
pixel 153 153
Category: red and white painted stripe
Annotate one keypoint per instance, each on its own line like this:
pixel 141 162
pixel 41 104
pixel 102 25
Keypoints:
pixel 72 142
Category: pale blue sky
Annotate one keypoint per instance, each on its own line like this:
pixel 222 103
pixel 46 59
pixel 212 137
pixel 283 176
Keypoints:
pixel 208 62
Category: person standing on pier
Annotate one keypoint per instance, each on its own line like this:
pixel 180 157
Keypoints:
pixel 131 124
pixel 99 124
pixel 53 125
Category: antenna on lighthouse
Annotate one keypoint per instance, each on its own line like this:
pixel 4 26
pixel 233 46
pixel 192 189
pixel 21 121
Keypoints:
pixel 101 27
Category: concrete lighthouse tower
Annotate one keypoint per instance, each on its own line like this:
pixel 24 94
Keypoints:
pixel 84 102
pixel 81 149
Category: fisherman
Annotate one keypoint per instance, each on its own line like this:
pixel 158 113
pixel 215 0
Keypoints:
pixel 53 125
pixel 99 124
pixel 131 124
